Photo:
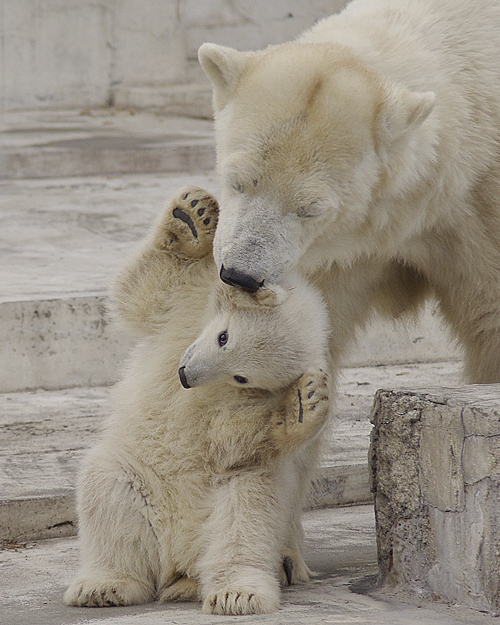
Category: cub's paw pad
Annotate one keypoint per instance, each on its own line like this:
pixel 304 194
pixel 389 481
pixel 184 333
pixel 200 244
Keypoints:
pixel 306 410
pixel 103 593
pixel 238 602
pixel 312 394
pixel 184 589
pixel 188 224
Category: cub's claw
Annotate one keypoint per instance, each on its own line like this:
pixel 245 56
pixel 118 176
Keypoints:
pixel 239 602
pixel 103 592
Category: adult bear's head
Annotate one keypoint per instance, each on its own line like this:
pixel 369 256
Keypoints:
pixel 309 140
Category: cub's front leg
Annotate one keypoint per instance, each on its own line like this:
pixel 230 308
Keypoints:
pixel 239 571
pixel 176 254
pixel 304 413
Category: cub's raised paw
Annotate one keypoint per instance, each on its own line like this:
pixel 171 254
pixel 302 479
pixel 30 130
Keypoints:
pixel 305 412
pixel 101 592
pixel 234 601
pixel 187 225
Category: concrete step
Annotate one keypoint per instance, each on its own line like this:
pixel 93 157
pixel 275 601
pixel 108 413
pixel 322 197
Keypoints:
pixel 192 100
pixel 46 433
pixel 51 144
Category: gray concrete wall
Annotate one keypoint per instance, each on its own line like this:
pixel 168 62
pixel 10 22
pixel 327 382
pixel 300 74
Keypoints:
pixel 65 53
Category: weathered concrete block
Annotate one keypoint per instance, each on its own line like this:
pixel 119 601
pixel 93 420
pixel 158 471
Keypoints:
pixel 58 343
pixel 435 463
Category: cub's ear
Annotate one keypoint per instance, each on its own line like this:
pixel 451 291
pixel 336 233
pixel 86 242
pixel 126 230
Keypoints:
pixel 223 67
pixel 226 298
pixel 403 110
pixel 271 296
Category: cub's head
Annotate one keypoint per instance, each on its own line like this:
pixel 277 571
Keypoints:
pixel 264 340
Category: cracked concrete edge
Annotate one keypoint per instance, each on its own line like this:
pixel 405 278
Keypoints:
pixel 38 517
pixel 54 515
pixel 43 162
pixel 59 343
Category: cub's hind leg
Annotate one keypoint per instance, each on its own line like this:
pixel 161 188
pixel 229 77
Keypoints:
pixel 182 589
pixel 120 560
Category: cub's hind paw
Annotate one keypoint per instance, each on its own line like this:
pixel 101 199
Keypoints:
pixel 105 592
pixel 184 589
pixel 294 570
pixel 187 226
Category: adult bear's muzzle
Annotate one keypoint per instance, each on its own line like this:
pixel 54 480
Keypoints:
pixel 233 277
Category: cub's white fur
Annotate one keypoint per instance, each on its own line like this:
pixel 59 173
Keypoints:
pixel 367 154
pixel 196 494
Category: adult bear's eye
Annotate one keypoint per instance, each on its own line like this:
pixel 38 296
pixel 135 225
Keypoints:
pixel 240 379
pixel 222 338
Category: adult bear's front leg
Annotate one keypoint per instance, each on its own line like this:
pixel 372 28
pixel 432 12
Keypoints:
pixel 239 569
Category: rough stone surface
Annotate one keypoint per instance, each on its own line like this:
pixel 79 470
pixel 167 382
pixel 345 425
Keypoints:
pixel 435 459
pixel 192 100
pixel 58 343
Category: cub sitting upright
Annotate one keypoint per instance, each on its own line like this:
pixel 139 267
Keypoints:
pixel 197 494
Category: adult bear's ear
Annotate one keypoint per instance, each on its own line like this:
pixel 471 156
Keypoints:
pixel 403 110
pixel 223 67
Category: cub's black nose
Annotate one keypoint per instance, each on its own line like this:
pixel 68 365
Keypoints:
pixel 240 279
pixel 182 376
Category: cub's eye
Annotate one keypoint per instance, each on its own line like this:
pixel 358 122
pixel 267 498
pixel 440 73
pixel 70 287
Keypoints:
pixel 240 379
pixel 222 338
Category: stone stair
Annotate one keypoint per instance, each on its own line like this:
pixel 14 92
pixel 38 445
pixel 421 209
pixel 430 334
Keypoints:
pixel 78 188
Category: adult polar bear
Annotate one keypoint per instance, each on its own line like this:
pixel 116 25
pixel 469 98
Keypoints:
pixel 367 153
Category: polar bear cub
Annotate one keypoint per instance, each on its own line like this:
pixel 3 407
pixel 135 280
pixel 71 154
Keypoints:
pixel 196 494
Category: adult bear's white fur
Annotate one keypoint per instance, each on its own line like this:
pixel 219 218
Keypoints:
pixel 367 153
pixel 197 494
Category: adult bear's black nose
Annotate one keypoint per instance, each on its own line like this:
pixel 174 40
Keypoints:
pixel 182 375
pixel 240 279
